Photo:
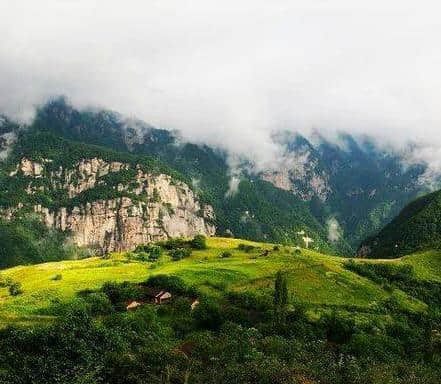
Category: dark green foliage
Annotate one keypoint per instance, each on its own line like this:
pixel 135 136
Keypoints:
pixel 173 243
pixel 225 255
pixel 15 289
pixel 171 283
pixel 199 242
pixel 149 252
pixel 182 246
pixel 179 253
pixel 221 341
pixel 26 240
pixel 382 272
pixel 280 298
pixel 120 293
pixel 99 303
pixel 338 329
pixel 416 228
pixel 401 277
pixel 251 301
pixel 208 314
pixel 246 247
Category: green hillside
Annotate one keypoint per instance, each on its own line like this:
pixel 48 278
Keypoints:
pixel 319 281
pixel 416 228
pixel 343 321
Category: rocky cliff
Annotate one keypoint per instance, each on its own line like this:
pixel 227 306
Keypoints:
pixel 110 205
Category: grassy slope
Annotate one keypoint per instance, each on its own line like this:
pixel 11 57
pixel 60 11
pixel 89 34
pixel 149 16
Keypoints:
pixel 319 281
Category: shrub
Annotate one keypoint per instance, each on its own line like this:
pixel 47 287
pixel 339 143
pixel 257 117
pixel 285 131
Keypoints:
pixel 99 303
pixel 171 283
pixel 338 329
pixel 246 247
pixel 15 289
pixel 276 248
pixel 225 254
pixel 57 277
pixel 147 252
pixel 208 314
pixel 199 242
pixel 250 301
pixel 179 253
pixel 173 243
pixel 119 293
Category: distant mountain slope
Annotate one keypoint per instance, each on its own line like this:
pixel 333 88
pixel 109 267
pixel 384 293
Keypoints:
pixel 339 194
pixel 255 209
pixel 359 184
pixel 74 185
pixel 416 228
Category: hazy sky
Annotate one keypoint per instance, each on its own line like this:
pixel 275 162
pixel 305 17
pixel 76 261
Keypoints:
pixel 230 73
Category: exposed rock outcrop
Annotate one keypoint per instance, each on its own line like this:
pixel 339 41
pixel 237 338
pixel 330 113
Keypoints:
pixel 145 207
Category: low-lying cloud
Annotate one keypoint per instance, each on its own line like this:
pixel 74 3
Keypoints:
pixel 233 73
pixel 334 229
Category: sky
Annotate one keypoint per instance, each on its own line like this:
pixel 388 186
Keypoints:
pixel 232 73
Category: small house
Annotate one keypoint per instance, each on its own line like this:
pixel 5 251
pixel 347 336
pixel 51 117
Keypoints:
pixel 162 296
pixel 132 305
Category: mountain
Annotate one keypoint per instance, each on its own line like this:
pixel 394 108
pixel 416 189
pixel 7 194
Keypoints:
pixel 335 193
pixel 416 228
pixel 257 210
pixel 356 183
pixel 106 200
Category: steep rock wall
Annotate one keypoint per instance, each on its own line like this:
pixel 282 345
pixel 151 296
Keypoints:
pixel 145 207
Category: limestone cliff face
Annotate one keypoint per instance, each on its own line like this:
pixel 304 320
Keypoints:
pixel 144 207
pixel 301 175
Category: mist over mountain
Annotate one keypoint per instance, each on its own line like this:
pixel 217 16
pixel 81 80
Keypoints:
pixel 339 192
pixel 234 75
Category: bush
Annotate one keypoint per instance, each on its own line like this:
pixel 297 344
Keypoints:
pixel 99 303
pixel 57 277
pixel 173 243
pixel 15 289
pixel 246 247
pixel 338 329
pixel 208 314
pixel 148 252
pixel 171 283
pixel 225 254
pixel 199 242
pixel 119 293
pixel 179 253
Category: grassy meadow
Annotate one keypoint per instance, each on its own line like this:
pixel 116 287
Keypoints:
pixel 318 281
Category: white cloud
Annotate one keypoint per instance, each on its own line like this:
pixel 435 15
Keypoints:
pixel 334 229
pixel 232 73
